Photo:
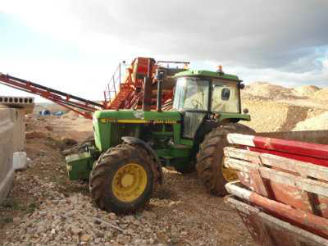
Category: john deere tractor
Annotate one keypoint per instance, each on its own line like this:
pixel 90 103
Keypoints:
pixel 131 146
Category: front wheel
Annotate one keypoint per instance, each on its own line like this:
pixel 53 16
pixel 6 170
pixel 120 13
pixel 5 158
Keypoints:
pixel 122 180
pixel 210 158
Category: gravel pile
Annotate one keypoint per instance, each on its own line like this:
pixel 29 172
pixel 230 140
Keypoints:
pixel 321 94
pixel 268 116
pixel 266 91
pixel 319 122
pixel 306 90
pixel 74 220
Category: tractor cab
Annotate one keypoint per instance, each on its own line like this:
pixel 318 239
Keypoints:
pixel 206 95
pixel 212 95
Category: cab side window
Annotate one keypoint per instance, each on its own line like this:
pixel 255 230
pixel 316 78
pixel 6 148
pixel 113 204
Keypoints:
pixel 225 94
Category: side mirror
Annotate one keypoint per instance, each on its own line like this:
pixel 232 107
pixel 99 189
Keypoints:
pixel 245 111
pixel 241 86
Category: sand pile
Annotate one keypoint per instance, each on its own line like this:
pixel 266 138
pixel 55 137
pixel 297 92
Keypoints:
pixel 266 91
pixel 319 122
pixel 321 94
pixel 306 90
pixel 269 116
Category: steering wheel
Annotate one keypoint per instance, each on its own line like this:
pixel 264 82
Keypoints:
pixel 195 103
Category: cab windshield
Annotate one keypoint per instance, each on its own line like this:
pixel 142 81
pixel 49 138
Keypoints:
pixel 192 94
pixel 225 97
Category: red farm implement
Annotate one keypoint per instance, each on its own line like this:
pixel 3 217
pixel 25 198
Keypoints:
pixel 77 104
pixel 282 192
pixel 134 88
pixel 131 91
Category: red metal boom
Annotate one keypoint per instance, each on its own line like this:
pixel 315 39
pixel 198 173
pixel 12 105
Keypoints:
pixel 79 105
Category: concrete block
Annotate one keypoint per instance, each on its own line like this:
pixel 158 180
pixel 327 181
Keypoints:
pixel 12 139
pixel 24 103
pixel 19 160
pixel 7 127
pixel 6 184
pixel 19 132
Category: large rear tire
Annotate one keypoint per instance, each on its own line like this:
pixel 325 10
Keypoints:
pixel 210 157
pixel 122 179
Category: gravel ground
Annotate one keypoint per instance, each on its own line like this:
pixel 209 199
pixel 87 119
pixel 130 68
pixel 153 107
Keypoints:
pixel 45 208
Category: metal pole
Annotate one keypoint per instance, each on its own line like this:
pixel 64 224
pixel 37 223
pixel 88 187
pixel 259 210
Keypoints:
pixel 159 95
pixel 147 91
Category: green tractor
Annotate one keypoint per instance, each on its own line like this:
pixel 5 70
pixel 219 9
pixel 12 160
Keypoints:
pixel 125 162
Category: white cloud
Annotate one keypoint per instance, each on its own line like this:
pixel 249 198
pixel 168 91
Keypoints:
pixel 278 41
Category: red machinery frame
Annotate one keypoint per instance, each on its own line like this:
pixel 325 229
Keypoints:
pixel 120 93
pixel 79 105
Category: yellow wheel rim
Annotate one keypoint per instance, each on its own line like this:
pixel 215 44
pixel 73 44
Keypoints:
pixel 129 182
pixel 228 173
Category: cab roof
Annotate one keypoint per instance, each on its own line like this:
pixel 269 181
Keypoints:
pixel 206 73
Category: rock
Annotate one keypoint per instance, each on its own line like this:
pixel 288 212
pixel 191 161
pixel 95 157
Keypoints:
pixel 123 239
pixel 85 238
pixel 68 142
pixel 148 214
pixel 112 216
pixel 100 233
pixel 151 241
pixel 49 128
pixel 108 235
pixel 129 218
pixel 75 230
pixel 35 134
pixel 16 220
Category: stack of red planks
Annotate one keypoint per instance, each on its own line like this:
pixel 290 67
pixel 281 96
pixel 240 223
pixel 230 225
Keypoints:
pixel 286 182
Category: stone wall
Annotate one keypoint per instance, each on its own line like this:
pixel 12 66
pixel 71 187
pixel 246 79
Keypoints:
pixel 8 121
pixel 12 137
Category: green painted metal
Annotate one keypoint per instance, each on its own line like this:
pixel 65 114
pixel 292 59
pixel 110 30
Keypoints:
pixel 206 73
pixel 137 115
pixel 224 116
pixel 79 165
pixel 111 125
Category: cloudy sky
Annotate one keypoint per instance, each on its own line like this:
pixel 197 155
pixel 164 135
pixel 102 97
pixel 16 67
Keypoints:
pixel 75 45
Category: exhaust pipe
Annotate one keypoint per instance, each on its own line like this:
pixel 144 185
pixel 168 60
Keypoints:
pixel 146 104
pixel 159 77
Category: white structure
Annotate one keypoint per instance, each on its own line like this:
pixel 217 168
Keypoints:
pixel 12 139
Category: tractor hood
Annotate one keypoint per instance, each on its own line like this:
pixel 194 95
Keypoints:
pixel 111 125
pixel 136 116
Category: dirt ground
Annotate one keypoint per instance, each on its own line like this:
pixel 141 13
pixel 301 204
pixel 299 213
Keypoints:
pixel 45 208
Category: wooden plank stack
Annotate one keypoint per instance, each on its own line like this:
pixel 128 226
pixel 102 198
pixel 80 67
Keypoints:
pixel 282 189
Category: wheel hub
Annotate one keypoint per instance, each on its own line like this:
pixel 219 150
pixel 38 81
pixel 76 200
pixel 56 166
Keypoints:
pixel 129 182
